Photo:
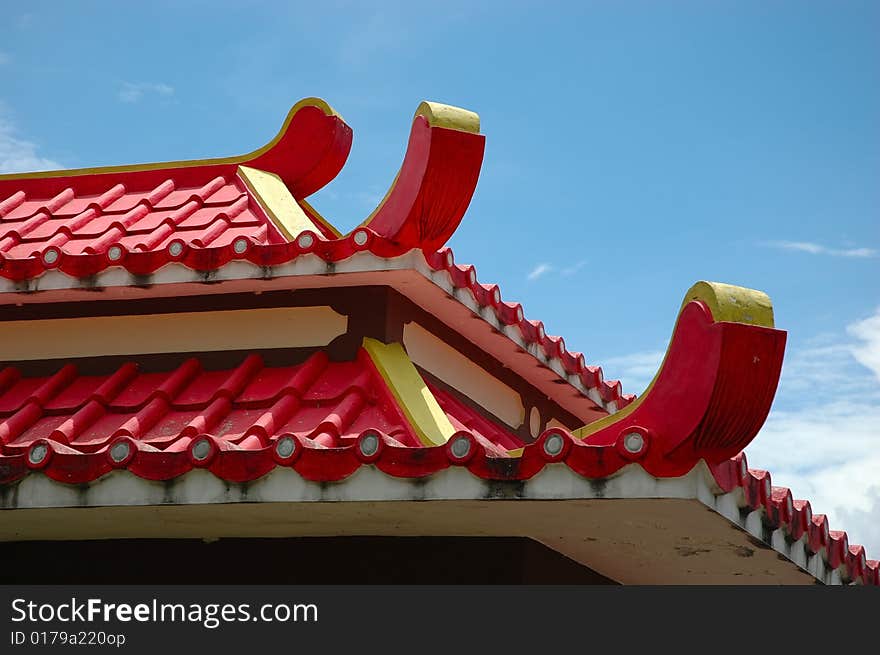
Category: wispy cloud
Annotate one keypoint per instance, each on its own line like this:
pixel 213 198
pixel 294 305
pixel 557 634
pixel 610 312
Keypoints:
pixel 16 154
pixel 573 268
pixel 539 270
pixel 545 268
pixel 4 58
pixel 134 92
pixel 818 249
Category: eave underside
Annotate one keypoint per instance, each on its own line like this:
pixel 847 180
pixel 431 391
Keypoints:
pixel 632 528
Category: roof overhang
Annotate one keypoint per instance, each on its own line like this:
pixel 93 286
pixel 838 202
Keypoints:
pixel 631 527
pixel 430 283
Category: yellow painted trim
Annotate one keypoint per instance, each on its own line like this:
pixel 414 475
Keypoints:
pixel 453 118
pixel 732 304
pixel 516 452
pixel 305 102
pixel 410 391
pixel 276 200
pixel 729 304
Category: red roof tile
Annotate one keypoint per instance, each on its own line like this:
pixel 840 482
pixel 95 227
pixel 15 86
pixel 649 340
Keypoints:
pixel 796 519
pixel 136 221
pixel 83 221
pixel 243 422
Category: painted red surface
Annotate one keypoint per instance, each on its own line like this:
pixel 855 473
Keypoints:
pixel 78 231
pixel 141 219
pixel 433 189
pixel 203 216
pixel 329 405
pixel 242 411
pixel 327 408
pixel 731 369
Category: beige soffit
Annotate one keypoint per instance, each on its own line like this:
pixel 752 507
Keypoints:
pixel 277 327
pixel 456 370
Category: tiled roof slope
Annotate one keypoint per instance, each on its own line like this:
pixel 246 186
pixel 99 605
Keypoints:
pixel 143 216
pixel 159 418
pixel 323 419
pixel 214 213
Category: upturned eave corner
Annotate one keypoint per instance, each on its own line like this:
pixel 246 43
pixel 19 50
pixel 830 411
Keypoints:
pixel 432 190
pixel 307 152
pixel 713 390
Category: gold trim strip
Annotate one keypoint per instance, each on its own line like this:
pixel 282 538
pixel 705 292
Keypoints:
pixel 238 159
pixel 276 200
pixel 424 414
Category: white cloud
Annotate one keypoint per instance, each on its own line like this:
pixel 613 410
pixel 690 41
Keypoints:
pixel 16 154
pixel 867 352
pixel 539 270
pixel 131 92
pixel 635 371
pixel 868 521
pixel 822 438
pixel 818 249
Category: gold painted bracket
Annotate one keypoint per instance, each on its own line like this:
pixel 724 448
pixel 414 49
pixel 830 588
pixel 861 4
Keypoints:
pixel 424 414
pixel 276 200
pixel 280 206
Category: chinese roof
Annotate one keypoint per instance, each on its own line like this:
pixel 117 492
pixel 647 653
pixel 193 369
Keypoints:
pixel 324 401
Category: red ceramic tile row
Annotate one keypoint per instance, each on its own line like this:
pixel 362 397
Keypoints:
pixel 68 230
pixel 795 517
pixel 323 419
pixel 327 403
pixel 83 221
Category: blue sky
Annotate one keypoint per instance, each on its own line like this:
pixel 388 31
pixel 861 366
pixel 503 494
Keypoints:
pixel 632 149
